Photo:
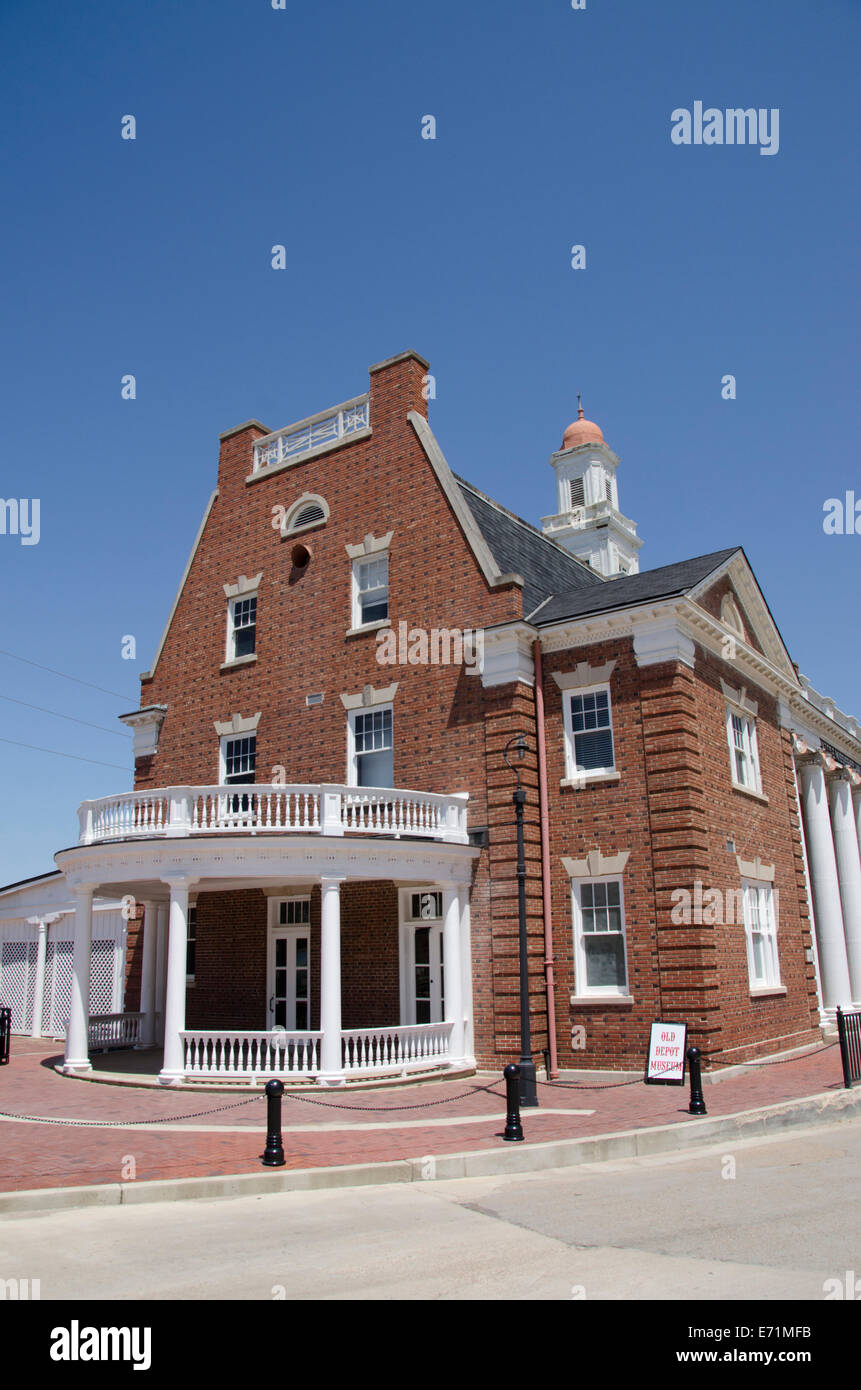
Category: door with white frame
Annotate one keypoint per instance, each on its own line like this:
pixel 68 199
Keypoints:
pixel 422 956
pixel 289 967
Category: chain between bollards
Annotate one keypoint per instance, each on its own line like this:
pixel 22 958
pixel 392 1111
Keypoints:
pixel 273 1156
pixel 697 1104
pixel 513 1127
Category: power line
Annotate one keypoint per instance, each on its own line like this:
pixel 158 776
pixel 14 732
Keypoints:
pixel 41 708
pixel 66 677
pixel 57 754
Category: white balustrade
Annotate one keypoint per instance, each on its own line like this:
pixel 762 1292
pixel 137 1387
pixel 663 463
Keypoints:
pixel 241 1054
pixel 315 432
pixel 412 1047
pixel 310 809
pixel 106 1031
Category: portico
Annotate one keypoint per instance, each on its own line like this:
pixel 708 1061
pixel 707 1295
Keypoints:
pixel 327 842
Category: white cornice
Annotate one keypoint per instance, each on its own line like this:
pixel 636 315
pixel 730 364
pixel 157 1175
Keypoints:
pixel 258 861
pixel 508 654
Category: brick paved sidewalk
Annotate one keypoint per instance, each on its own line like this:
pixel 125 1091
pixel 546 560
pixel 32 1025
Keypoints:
pixel 323 1129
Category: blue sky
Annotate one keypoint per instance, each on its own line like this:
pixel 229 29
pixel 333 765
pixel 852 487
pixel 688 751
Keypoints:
pixel 302 127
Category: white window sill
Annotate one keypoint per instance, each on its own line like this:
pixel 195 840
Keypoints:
pixel 368 627
pixel 238 661
pixel 580 1000
pixel 749 791
pixel 583 779
pixel 767 991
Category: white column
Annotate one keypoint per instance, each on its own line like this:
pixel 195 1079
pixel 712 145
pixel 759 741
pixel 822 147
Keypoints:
pixel 466 972
pixel 42 924
pixel 150 932
pixel 173 1065
pixel 824 885
pixel 848 870
pixel 451 965
pixel 161 968
pixel 331 1067
pixel 77 1049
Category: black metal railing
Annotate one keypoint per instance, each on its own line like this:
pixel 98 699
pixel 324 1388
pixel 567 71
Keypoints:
pixel 5 1034
pixel 849 1032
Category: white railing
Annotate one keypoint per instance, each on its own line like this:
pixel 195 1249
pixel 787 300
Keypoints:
pixel 106 1031
pixel 246 1055
pixel 412 1047
pixel 172 812
pixel 315 432
pixel 242 1054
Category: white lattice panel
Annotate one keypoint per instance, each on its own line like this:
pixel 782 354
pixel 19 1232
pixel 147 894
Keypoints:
pixel 58 987
pixel 102 978
pixel 17 981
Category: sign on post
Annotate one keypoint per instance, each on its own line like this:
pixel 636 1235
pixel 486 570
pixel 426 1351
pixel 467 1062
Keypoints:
pixel 665 1064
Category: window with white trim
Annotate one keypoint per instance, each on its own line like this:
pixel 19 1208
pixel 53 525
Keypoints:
pixel 743 750
pixel 370 590
pixel 238 758
pixel 371 747
pixel 599 937
pixel 760 925
pixel 588 731
pixel 241 627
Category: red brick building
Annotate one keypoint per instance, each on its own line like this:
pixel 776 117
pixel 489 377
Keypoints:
pixel 363 635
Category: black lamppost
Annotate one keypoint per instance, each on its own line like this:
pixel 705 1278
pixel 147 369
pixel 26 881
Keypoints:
pixel 528 1085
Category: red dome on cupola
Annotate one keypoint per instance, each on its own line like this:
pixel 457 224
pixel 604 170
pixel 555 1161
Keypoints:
pixel 581 431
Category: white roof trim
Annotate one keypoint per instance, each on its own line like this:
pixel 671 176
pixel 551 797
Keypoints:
pixel 478 545
pixel 185 574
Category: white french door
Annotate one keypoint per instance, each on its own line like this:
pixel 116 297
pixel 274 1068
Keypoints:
pixel 428 974
pixel 289 1004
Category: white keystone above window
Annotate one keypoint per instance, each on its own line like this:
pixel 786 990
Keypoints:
pixel 243 586
pixel 597 864
pixel 237 725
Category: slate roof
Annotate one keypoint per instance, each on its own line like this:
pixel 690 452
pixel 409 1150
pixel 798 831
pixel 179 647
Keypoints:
pixel 668 581
pixel 520 548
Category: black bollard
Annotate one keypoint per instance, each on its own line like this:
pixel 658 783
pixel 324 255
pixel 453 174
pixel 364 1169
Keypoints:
pixel 698 1104
pixel 513 1127
pixel 274 1154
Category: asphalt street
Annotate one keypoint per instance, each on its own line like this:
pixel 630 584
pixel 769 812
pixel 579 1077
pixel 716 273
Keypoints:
pixel 765 1219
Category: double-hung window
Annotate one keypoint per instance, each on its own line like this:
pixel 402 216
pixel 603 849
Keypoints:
pixel 589 732
pixel 760 924
pixel 239 760
pixel 743 751
pixel 242 627
pixel 599 937
pixel 370 590
pixel 372 747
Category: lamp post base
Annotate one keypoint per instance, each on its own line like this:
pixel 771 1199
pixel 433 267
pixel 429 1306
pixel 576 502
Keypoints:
pixel 528 1083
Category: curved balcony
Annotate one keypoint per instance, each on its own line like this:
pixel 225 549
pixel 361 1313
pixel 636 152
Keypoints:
pixel 272 809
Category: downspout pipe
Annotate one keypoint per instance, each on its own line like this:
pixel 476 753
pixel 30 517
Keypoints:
pixel 545 858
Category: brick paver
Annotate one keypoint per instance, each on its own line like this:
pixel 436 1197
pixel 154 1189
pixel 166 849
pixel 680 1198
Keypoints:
pixel 230 1137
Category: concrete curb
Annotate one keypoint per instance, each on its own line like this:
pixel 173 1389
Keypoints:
pixel 826 1108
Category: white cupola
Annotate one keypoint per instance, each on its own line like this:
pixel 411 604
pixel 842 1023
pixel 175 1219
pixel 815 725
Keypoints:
pixel 588 521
